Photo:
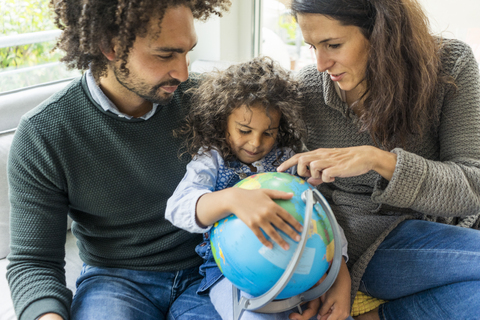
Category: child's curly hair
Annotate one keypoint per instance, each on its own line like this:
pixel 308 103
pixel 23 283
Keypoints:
pixel 262 82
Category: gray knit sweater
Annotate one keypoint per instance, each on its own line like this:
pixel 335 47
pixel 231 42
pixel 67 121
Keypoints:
pixel 436 178
pixel 113 176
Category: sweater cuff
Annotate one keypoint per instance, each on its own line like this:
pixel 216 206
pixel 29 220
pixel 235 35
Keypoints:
pixel 403 188
pixel 43 306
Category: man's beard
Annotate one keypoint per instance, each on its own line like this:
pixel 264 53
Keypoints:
pixel 137 86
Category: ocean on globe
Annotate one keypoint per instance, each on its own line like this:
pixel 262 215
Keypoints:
pixel 252 267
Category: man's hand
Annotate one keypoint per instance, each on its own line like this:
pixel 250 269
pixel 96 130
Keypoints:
pixel 309 312
pixel 335 303
pixel 50 316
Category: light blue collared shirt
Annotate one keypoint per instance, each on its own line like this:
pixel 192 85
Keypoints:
pixel 203 176
pixel 107 105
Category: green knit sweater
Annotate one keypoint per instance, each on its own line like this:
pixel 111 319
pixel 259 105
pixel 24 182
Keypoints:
pixel 111 175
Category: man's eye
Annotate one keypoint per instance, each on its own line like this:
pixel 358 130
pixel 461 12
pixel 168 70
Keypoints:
pixel 312 47
pixel 165 57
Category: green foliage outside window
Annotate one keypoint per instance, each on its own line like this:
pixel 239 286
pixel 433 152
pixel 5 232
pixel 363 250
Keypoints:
pixel 289 26
pixel 17 17
pixel 29 64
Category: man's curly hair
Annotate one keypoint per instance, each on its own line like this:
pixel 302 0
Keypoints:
pixel 89 25
pixel 259 82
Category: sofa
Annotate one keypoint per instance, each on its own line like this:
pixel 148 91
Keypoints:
pixel 13 105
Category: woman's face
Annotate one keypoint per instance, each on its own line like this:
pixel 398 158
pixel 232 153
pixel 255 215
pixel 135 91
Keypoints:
pixel 340 50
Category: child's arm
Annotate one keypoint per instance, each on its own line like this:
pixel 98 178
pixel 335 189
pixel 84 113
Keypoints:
pixel 200 178
pixel 335 303
pixel 255 208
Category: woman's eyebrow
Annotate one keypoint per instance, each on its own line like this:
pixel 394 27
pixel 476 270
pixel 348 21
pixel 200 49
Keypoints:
pixel 328 39
pixel 324 40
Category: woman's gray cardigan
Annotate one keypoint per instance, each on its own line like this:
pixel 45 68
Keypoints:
pixel 436 178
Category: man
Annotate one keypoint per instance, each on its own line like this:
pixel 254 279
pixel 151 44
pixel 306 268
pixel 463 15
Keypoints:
pixel 102 151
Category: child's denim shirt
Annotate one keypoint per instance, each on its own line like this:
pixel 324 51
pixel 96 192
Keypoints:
pixel 229 173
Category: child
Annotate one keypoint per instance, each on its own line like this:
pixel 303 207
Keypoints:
pixel 245 120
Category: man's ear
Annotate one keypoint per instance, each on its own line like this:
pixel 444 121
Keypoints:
pixel 108 50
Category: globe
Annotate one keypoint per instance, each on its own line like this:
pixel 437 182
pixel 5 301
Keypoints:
pixel 254 268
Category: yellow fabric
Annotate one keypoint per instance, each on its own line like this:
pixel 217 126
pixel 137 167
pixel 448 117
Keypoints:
pixel 364 303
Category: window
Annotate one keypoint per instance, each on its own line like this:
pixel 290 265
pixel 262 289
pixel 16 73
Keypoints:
pixel 282 38
pixel 27 38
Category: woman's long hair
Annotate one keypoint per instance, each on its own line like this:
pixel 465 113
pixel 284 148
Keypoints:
pixel 403 67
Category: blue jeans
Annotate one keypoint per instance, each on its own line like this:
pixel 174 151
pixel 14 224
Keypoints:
pixel 426 270
pixel 110 293
pixel 209 269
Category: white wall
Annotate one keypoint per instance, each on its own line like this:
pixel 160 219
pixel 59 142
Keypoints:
pixel 456 19
pixel 450 16
pixel 228 38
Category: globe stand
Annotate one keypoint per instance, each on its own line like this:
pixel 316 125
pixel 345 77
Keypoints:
pixel 266 303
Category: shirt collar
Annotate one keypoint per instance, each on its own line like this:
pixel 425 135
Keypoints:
pixel 106 104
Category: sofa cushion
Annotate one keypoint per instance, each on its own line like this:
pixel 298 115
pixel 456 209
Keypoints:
pixel 14 104
pixel 5 142
pixel 73 267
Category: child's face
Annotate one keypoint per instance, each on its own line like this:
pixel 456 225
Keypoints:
pixel 251 133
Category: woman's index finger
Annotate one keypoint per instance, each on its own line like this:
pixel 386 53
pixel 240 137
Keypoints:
pixel 289 163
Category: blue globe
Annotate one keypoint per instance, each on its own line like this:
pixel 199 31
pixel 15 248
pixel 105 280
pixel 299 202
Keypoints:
pixel 252 267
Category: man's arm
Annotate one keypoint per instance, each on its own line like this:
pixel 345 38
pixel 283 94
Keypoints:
pixel 38 224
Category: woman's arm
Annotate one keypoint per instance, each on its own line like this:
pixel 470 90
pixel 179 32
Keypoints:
pixel 439 176
pixel 324 165
pixel 448 186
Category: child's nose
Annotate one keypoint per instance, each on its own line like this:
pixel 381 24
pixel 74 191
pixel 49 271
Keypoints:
pixel 256 142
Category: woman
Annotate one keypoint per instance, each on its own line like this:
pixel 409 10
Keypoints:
pixel 393 115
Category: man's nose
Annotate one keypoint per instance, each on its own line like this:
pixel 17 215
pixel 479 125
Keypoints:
pixel 180 69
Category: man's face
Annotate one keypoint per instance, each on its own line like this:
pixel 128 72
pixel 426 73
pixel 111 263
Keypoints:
pixel 158 61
